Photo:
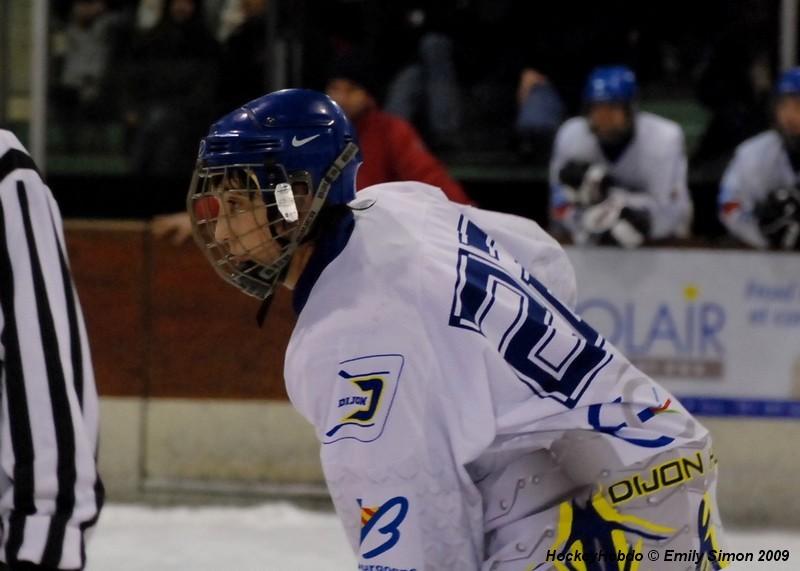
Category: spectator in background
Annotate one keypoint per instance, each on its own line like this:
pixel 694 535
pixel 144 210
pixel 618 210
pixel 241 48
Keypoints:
pixel 228 16
pixel 499 63
pixel 618 175
pixel 244 63
pixel 391 147
pixel 148 14
pixel 222 16
pixel 81 90
pixel 566 40
pixel 759 200
pixel 735 79
pixel 414 42
pixel 559 44
pixel 171 95
pixel 540 110
pixel 425 88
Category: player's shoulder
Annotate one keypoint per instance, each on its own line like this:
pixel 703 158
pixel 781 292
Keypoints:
pixel 657 125
pixel 766 142
pixel 401 228
pixel 509 225
pixel 398 199
pixel 390 223
pixel 535 249
pixel 574 128
pixel 9 141
pixel 16 164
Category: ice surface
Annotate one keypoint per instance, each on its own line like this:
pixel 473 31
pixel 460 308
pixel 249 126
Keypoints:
pixel 280 537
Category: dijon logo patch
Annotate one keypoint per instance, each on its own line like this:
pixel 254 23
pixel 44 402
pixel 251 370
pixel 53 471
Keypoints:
pixel 363 397
pixel 668 474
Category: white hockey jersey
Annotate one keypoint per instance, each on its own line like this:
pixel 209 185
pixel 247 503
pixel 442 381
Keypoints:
pixel 436 348
pixel 652 168
pixel 759 166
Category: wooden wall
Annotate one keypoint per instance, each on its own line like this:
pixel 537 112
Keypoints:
pixel 162 324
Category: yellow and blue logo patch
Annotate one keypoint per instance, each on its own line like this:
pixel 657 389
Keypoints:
pixel 363 397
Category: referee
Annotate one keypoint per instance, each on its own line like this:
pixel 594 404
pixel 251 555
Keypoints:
pixel 50 491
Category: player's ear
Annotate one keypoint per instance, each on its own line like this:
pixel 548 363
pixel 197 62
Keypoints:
pixel 300 188
pixel 302 196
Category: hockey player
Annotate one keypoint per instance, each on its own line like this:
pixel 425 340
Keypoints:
pixel 759 199
pixel 468 419
pixel 50 489
pixel 618 175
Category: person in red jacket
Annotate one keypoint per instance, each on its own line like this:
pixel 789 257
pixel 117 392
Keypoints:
pixel 391 147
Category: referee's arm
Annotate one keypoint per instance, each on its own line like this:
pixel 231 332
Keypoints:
pixel 50 491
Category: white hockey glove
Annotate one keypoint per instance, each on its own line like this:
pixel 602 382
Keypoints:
pixel 613 222
pixel 585 184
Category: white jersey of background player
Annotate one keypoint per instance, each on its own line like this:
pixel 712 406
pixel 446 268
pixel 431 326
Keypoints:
pixel 759 201
pixel 468 418
pixel 618 176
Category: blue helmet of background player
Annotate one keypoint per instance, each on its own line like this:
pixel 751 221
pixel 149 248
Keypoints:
pixel 608 97
pixel 788 83
pixel 610 84
pixel 264 173
pixel 787 108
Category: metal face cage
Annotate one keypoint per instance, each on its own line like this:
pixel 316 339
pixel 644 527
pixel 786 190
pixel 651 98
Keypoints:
pixel 245 218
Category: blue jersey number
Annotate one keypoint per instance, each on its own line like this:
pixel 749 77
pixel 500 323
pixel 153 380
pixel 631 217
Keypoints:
pixel 517 314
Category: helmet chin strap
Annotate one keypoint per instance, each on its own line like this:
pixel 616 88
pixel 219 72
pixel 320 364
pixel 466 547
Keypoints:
pixel 334 171
pixel 336 168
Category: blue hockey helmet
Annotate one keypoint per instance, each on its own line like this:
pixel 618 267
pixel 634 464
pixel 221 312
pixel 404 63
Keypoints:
pixel 610 84
pixel 263 174
pixel 788 83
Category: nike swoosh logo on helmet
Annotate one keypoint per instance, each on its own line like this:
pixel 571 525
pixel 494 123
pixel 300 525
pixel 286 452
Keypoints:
pixel 300 142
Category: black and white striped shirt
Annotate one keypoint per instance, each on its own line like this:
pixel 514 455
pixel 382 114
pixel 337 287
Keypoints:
pixel 50 491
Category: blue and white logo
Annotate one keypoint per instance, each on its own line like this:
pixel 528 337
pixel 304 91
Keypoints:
pixel 380 526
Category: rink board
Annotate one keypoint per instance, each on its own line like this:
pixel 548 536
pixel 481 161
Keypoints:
pixel 718 328
pixel 236 447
